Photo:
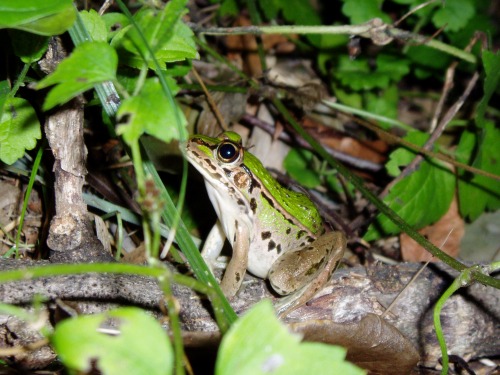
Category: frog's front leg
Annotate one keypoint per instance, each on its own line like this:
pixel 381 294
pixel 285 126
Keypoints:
pixel 304 271
pixel 237 266
pixel 213 245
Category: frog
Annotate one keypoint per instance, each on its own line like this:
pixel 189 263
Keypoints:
pixel 275 233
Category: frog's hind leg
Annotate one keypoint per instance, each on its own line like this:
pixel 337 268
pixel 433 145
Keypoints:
pixel 303 272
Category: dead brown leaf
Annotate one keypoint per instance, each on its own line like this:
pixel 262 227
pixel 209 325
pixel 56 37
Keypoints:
pixel 371 343
pixel 450 228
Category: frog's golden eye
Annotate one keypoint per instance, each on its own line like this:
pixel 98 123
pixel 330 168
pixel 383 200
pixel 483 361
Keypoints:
pixel 228 152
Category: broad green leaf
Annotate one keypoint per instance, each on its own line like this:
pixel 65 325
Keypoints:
pixel 95 25
pixel 421 198
pixel 360 11
pixel 454 15
pixel 259 344
pixel 89 64
pixel 298 165
pixel 477 193
pixel 150 112
pixel 47 17
pixel 19 129
pixel 28 47
pixel 140 347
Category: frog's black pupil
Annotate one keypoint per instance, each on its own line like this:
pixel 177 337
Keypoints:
pixel 227 151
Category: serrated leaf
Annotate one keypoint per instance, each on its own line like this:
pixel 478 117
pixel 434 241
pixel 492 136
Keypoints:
pixel 48 17
pixel 169 38
pixel 298 165
pixel 141 347
pixel 95 25
pixel 360 11
pixel 259 344
pixel 89 64
pixel 19 129
pixel 421 198
pixel 150 112
pixel 454 14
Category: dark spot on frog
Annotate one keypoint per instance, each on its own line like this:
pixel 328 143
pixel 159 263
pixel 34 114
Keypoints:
pixel 268 199
pixel 253 205
pixel 265 235
pixel 288 230
pixel 241 202
pixel 271 245
pixel 227 172
pixel 238 276
pixel 278 248
pixel 210 164
pixel 302 244
pixel 301 233
pixel 315 267
pixel 309 239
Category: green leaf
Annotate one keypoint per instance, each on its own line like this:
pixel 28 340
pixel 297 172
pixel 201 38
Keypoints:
pixel 48 17
pixel 360 11
pixel 19 129
pixel 421 198
pixel 115 22
pixel 298 165
pixel 169 38
pixel 259 344
pixel 479 193
pixel 383 102
pixel 95 25
pixel 358 75
pixel 89 64
pixel 150 112
pixel 140 347
pixel 454 14
pixel 28 47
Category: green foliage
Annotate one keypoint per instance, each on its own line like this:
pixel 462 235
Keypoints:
pixel 140 346
pixel 19 129
pixel 454 15
pixel 298 165
pixel 168 37
pixel 79 72
pixel 48 17
pixel 150 112
pixel 360 11
pixel 431 187
pixel 28 47
pixel 259 344
pixel 480 147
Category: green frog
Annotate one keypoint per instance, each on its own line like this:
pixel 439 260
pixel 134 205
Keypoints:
pixel 275 233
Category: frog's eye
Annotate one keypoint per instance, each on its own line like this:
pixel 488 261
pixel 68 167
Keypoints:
pixel 227 152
